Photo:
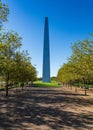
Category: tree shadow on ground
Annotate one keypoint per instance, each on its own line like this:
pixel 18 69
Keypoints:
pixel 48 96
pixel 36 108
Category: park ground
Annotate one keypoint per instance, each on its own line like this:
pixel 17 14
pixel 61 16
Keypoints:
pixel 38 108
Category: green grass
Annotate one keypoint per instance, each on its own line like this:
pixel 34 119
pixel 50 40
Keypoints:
pixel 46 84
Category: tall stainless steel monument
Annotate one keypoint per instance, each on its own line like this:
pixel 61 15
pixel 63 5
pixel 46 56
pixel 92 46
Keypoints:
pixel 46 53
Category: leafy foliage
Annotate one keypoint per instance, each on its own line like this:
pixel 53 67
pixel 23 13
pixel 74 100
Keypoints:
pixel 4 11
pixel 15 65
pixel 80 65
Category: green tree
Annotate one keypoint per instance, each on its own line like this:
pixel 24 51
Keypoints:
pixel 15 66
pixel 23 70
pixel 80 65
pixel 4 11
pixel 10 42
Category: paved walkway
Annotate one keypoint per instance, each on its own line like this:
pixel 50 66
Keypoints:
pixel 46 109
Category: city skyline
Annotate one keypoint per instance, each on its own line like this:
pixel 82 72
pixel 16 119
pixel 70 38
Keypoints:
pixel 70 20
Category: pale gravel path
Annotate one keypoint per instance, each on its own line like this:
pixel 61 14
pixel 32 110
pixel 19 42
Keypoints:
pixel 46 109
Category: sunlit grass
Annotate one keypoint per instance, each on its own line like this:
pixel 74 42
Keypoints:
pixel 46 84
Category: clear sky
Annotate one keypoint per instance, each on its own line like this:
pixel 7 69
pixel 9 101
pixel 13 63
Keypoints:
pixel 69 21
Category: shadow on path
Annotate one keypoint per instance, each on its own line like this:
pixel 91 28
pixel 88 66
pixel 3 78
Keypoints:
pixel 44 108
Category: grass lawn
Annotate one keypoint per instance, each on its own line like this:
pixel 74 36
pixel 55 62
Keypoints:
pixel 46 84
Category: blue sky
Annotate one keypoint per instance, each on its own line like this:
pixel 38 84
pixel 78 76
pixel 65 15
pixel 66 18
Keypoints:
pixel 69 21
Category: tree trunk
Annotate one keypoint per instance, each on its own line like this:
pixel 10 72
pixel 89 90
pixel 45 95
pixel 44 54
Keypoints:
pixel 85 91
pixel 7 80
pixel 75 88
pixel 85 87
pixel 6 89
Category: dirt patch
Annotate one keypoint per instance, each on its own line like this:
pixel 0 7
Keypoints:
pixel 46 109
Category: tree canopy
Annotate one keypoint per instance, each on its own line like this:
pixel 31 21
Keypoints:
pixel 4 11
pixel 15 63
pixel 80 64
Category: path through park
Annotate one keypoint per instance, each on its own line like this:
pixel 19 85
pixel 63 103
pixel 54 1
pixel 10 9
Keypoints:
pixel 46 109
